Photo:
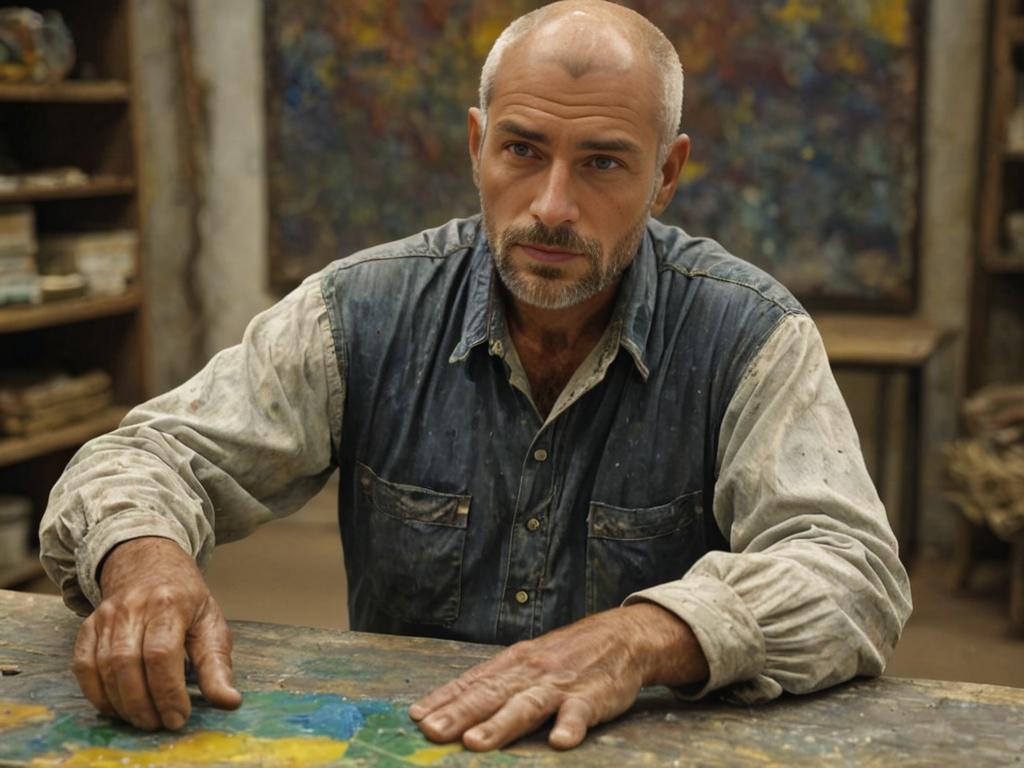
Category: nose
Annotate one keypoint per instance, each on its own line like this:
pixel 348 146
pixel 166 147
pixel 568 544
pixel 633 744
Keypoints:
pixel 555 205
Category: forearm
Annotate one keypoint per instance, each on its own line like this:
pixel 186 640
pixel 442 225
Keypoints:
pixel 118 487
pixel 813 591
pixel 247 439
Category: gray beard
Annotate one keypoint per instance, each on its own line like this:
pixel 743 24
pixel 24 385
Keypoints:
pixel 543 286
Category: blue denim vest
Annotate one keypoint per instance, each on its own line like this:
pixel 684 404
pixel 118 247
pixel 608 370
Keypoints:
pixel 463 514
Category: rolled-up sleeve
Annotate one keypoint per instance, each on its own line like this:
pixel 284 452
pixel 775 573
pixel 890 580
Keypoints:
pixel 812 592
pixel 248 439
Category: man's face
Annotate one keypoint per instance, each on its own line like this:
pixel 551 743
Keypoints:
pixel 567 176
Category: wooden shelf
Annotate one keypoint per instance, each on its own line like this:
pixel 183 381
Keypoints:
pixel 28 569
pixel 1015 29
pixel 1004 265
pixel 879 339
pixel 100 186
pixel 26 318
pixel 17 449
pixel 68 92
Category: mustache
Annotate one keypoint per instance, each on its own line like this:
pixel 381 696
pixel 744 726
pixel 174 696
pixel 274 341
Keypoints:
pixel 562 238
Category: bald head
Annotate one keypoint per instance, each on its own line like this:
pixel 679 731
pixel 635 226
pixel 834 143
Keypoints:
pixel 585 36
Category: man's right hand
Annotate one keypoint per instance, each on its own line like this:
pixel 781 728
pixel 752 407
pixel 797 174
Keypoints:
pixel 130 653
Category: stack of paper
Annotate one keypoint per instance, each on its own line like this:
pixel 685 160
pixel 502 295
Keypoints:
pixel 105 259
pixel 19 276
pixel 32 401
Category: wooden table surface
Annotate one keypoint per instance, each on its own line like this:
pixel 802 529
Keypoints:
pixel 879 340
pixel 322 697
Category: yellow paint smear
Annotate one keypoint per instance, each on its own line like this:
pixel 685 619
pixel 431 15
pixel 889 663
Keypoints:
pixel 849 59
pixel 484 35
pixel 430 755
pixel 891 20
pixel 211 748
pixel 795 10
pixel 694 170
pixel 14 715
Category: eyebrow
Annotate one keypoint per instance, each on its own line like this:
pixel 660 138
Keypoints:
pixel 596 145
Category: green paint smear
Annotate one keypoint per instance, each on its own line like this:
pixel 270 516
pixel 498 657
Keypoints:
pixel 386 739
pixel 379 732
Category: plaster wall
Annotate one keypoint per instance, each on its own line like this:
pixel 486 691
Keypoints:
pixel 954 88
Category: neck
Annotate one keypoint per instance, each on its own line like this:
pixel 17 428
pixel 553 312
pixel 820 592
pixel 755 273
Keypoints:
pixel 561 329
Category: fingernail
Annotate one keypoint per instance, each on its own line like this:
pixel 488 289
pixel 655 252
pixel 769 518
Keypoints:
pixel 174 720
pixel 439 722
pixel 416 712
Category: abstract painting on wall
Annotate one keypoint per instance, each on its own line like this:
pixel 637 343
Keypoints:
pixel 803 115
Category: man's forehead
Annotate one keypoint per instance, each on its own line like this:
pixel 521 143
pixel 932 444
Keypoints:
pixel 580 43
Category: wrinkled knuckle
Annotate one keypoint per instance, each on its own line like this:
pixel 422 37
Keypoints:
pixel 158 653
pixel 82 664
pixel 164 597
pixel 519 653
pixel 534 701
pixel 106 611
pixel 122 659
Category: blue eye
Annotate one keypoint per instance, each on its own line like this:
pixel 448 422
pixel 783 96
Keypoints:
pixel 605 163
pixel 519 149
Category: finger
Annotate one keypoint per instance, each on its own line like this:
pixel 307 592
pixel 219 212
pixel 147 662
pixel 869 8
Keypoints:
pixel 129 673
pixel 163 652
pixel 575 716
pixel 83 665
pixel 477 703
pixel 209 643
pixel 438 698
pixel 453 690
pixel 105 668
pixel 523 713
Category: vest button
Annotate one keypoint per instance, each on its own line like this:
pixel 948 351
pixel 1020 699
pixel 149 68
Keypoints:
pixel 532 524
pixel 522 597
pixel 540 454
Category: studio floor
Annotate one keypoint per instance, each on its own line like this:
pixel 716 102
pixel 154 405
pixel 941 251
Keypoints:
pixel 291 572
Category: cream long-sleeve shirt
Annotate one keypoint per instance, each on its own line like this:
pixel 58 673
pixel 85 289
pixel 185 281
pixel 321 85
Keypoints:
pixel 811 592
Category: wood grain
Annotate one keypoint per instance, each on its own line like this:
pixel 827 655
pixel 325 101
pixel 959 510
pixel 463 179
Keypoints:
pixel 879 340
pixel 886 721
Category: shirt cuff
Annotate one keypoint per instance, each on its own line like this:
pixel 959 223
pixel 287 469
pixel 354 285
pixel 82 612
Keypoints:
pixel 113 531
pixel 723 625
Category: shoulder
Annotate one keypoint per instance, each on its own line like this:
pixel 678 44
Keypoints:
pixel 431 245
pixel 704 265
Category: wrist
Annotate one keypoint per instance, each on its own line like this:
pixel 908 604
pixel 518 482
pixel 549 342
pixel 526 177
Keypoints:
pixel 127 559
pixel 665 648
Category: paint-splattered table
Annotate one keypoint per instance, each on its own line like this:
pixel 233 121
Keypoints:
pixel 315 697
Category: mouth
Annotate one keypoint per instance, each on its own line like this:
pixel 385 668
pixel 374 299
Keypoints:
pixel 547 254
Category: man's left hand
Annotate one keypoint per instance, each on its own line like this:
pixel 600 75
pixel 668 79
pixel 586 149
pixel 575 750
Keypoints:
pixel 584 674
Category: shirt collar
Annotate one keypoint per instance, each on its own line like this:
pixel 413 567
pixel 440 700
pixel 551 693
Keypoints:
pixel 634 310
pixel 479 302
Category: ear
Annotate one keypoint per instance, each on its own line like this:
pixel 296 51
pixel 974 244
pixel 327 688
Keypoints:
pixel 476 137
pixel 670 171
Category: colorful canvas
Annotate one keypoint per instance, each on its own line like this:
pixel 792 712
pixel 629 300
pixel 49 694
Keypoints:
pixel 803 115
pixel 273 728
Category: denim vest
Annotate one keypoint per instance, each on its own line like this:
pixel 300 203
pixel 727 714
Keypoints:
pixel 463 513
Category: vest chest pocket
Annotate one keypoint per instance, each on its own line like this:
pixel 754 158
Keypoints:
pixel 416 539
pixel 629 549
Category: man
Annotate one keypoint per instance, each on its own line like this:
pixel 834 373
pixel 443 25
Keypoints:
pixel 549 423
